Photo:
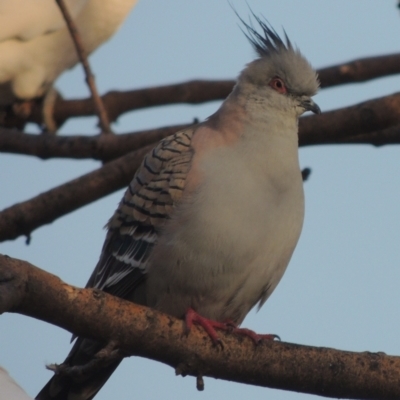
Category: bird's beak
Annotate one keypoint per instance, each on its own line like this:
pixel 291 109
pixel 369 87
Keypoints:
pixel 308 104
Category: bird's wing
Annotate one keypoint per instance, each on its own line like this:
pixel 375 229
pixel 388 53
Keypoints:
pixel 147 204
pixel 132 232
pixel 10 390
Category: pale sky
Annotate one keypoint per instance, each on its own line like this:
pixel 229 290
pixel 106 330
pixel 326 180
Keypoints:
pixel 341 287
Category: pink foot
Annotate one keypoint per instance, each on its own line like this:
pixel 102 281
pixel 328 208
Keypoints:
pixel 255 337
pixel 208 325
pixel 192 317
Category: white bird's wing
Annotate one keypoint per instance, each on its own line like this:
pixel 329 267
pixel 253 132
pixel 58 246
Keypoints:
pixel 147 204
pixel 26 19
pixel 9 389
pixel 36 46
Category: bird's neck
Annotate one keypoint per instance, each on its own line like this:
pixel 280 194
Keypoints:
pixel 258 135
pixel 252 117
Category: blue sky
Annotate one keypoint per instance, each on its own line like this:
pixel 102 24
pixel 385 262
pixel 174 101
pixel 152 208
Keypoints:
pixel 341 287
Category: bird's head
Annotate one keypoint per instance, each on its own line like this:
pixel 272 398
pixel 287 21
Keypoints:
pixel 280 73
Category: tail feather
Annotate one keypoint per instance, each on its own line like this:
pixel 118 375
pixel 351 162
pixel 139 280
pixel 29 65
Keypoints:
pixel 64 387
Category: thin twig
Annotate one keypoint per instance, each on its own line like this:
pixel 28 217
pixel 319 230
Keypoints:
pixel 98 103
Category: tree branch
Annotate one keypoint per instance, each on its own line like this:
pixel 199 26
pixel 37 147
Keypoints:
pixel 120 102
pixel 366 122
pixel 199 91
pixel 23 218
pixel 361 70
pixel 80 50
pixel 361 123
pixel 99 147
pixel 144 332
pixel 385 136
pixel 361 119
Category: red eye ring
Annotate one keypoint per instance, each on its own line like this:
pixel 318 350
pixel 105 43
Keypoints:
pixel 278 85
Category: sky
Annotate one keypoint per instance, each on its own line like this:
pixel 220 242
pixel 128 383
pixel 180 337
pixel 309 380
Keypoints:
pixel 341 287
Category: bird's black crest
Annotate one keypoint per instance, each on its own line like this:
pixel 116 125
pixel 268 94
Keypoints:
pixel 268 44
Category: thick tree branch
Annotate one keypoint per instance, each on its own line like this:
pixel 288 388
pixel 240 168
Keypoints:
pixel 199 91
pixel 140 331
pixel 361 70
pixel 380 138
pixel 23 218
pixel 366 122
pixel 361 123
pixel 120 102
pixel 361 119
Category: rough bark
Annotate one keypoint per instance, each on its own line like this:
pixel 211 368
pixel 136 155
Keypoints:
pixel 140 331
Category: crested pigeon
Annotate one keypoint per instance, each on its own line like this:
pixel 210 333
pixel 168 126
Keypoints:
pixel 211 218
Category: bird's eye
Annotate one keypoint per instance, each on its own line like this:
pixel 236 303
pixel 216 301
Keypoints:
pixel 278 85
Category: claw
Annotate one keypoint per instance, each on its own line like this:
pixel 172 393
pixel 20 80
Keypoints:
pixel 255 337
pixel 210 326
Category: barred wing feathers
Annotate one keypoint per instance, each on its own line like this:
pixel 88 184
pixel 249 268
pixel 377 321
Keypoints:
pixel 147 204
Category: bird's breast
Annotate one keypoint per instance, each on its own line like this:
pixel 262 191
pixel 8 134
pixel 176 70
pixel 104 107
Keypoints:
pixel 233 236
pixel 246 196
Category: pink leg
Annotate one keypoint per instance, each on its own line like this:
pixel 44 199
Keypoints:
pixel 209 326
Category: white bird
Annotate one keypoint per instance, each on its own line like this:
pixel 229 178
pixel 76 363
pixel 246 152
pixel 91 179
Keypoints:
pixel 9 389
pixel 35 44
pixel 210 220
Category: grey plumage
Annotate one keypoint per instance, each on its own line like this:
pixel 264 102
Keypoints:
pixel 213 214
pixel 282 58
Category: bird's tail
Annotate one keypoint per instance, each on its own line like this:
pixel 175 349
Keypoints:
pixel 85 386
